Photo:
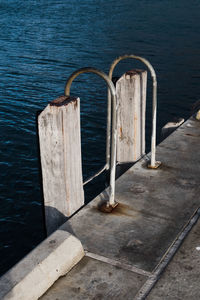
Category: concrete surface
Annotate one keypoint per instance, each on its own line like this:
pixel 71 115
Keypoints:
pixel 126 249
pixel 95 280
pixel 181 278
pixel 33 275
pixel 155 207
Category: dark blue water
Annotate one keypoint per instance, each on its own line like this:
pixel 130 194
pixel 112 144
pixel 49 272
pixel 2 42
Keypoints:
pixel 41 44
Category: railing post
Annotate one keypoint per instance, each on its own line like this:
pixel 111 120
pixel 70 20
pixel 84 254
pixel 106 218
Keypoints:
pixel 131 101
pixel 60 151
pixel 111 203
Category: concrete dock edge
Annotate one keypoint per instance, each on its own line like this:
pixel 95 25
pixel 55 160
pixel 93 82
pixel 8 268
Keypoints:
pixel 32 276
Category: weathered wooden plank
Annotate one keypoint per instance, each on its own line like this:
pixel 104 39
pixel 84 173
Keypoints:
pixel 131 99
pixel 60 150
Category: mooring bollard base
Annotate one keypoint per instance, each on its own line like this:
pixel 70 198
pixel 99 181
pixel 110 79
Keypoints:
pixel 106 207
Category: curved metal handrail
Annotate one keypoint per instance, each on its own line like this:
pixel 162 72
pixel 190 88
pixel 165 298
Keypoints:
pixel 153 164
pixel 112 93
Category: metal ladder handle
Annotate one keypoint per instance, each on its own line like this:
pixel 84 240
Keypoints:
pixel 154 164
pixel 112 115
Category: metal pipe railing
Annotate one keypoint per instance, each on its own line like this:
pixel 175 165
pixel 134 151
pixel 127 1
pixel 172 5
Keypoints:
pixel 112 115
pixel 95 175
pixel 154 164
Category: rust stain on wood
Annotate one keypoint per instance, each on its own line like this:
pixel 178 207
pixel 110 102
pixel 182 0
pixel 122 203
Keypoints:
pixel 75 104
pixel 120 132
pixel 134 72
pixel 64 100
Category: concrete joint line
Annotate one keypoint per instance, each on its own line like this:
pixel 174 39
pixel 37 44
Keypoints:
pixel 151 281
pixel 117 264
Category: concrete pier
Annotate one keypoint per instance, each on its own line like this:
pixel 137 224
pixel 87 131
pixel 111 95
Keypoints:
pixel 127 250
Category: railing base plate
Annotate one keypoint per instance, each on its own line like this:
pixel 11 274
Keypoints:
pixel 106 207
pixel 157 165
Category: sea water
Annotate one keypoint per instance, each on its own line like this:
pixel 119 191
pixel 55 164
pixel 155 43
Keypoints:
pixel 41 43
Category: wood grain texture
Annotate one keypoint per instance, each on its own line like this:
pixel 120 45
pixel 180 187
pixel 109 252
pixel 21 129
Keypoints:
pixel 60 150
pixel 131 99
